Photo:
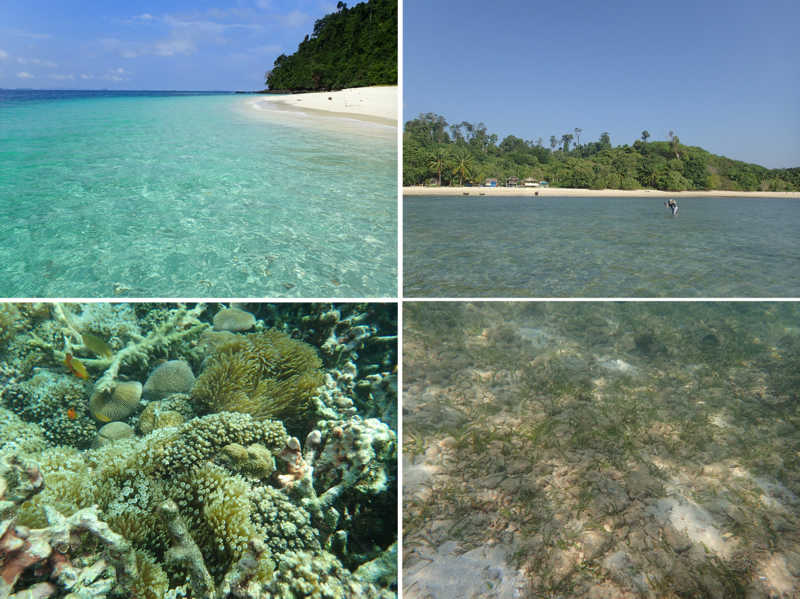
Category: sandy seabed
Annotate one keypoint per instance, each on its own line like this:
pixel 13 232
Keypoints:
pixel 596 193
pixel 600 450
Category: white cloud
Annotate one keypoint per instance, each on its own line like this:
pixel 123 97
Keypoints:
pixel 185 34
pixel 85 76
pixel 61 77
pixel 119 74
pixel 296 18
pixel 3 54
pixel 20 32
pixel 24 75
pixel 175 43
pixel 41 63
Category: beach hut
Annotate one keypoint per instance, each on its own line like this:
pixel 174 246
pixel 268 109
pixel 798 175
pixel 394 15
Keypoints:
pixel 530 182
pixel 512 182
pixel 490 183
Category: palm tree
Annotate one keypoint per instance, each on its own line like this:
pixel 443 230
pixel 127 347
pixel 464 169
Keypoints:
pixel 478 174
pixel 462 163
pixel 438 160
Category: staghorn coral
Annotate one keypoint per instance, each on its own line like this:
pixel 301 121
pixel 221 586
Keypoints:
pixel 266 375
pixel 179 326
pixel 349 464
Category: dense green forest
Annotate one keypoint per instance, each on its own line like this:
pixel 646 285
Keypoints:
pixel 353 47
pixel 459 154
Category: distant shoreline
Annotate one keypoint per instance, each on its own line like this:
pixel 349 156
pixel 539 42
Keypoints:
pixel 594 193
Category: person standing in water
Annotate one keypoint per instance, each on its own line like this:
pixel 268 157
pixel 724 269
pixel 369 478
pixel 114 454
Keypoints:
pixel 673 205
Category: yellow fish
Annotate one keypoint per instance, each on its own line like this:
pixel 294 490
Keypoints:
pixel 75 366
pixel 97 345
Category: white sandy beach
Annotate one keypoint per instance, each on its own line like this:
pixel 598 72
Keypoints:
pixel 595 193
pixel 374 104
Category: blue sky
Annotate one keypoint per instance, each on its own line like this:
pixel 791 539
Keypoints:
pixel 721 74
pixel 182 45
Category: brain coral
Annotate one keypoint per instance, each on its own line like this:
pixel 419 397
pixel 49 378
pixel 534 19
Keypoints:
pixel 170 377
pixel 266 375
pixel 233 319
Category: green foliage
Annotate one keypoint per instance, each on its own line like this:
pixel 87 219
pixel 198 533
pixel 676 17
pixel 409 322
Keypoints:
pixel 353 47
pixel 673 181
pixel 665 165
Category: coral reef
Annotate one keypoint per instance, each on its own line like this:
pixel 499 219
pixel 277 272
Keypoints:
pixel 8 319
pixel 46 399
pixel 54 549
pixel 195 498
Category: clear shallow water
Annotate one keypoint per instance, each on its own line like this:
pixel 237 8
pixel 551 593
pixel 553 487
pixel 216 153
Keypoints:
pixel 181 195
pixel 609 247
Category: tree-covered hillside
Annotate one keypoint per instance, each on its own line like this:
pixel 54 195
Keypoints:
pixel 455 154
pixel 353 47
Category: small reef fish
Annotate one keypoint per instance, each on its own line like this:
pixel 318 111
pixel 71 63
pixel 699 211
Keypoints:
pixel 71 414
pixel 97 345
pixel 75 366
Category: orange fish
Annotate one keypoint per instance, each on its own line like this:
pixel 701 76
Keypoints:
pixel 71 414
pixel 75 366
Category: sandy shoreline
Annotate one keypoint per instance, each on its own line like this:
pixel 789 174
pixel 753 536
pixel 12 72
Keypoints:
pixel 594 193
pixel 373 104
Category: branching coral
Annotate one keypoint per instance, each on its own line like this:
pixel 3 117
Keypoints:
pixel 266 375
pixel 353 458
pixel 181 325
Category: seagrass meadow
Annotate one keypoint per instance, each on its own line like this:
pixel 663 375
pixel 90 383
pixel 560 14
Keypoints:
pixel 601 449
pixel 155 450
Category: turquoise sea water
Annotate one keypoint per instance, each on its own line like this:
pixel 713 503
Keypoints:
pixel 191 195
pixel 609 247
